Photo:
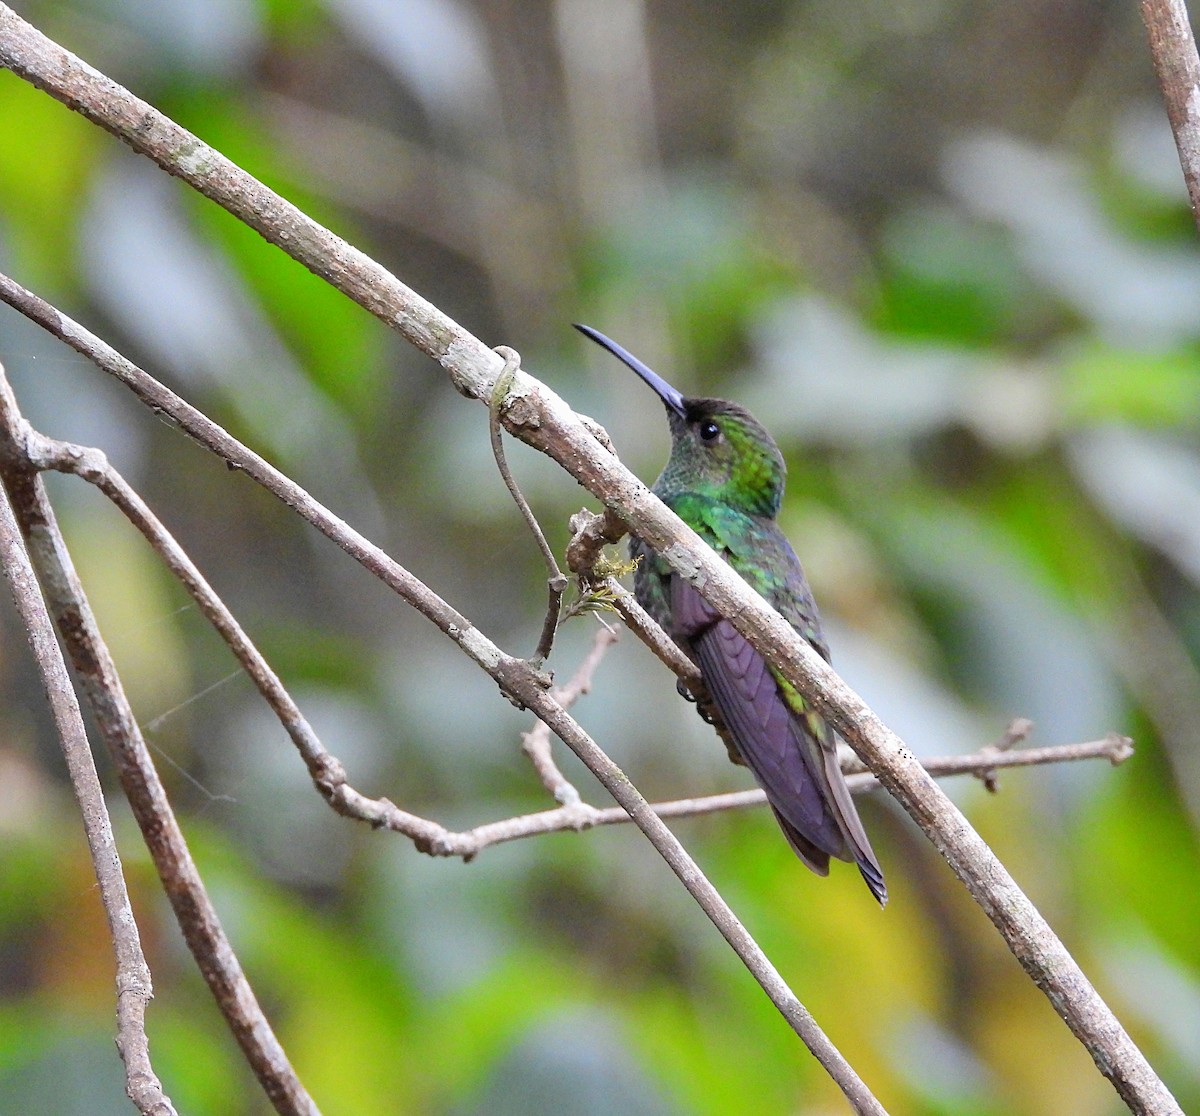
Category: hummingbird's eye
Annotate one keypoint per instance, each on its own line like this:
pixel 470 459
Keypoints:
pixel 709 431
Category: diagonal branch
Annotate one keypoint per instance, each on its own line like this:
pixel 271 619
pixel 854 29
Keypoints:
pixel 431 837
pixel 329 775
pixel 1173 49
pixel 133 974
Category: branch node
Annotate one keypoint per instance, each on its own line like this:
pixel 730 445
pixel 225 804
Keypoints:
pixel 328 774
pixel 566 795
pixel 1017 732
pixel 598 432
pixel 590 534
pixel 1120 748
pixel 580 816
pixel 512 674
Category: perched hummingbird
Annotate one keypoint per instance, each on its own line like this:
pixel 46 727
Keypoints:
pixel 725 479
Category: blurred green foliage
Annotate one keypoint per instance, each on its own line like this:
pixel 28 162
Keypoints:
pixel 942 249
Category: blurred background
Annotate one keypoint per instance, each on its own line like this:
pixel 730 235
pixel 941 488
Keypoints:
pixel 941 248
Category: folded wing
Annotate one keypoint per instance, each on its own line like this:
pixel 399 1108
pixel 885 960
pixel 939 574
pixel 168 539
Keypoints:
pixel 790 751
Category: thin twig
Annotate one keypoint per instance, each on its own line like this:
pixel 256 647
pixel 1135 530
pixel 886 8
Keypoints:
pixel 1114 747
pixel 536 743
pixel 90 656
pixel 556 582
pixel 707 896
pixel 134 989
pixel 468 843
pixel 1173 48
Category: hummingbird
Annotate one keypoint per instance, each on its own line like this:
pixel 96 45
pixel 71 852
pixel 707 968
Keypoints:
pixel 725 479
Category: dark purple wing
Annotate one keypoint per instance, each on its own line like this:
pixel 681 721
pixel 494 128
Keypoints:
pixel 796 768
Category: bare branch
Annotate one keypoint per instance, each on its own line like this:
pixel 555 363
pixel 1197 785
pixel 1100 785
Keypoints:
pixel 536 743
pixel 134 990
pixel 1114 748
pixel 197 919
pixel 326 770
pixel 542 419
pixel 556 582
pixel 1173 48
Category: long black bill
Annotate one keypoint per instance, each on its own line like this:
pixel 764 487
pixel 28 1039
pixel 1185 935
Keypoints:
pixel 662 389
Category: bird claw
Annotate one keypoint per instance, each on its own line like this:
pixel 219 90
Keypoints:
pixel 681 688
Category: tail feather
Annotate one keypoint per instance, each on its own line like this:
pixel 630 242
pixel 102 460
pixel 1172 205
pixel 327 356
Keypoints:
pixel 843 809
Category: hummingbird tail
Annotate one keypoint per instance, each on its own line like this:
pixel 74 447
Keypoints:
pixel 857 843
pixel 874 878
pixel 817 859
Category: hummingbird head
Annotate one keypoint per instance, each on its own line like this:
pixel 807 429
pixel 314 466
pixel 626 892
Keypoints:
pixel 718 449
